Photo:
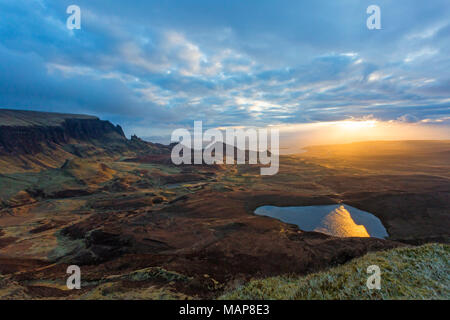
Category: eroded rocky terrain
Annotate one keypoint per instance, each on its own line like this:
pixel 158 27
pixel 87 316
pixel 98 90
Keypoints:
pixel 141 227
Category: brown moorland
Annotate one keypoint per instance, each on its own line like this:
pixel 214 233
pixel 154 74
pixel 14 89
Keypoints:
pixel 140 227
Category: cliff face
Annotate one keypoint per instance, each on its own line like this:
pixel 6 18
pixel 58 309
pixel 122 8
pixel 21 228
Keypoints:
pixel 19 140
pixel 25 133
pixel 31 140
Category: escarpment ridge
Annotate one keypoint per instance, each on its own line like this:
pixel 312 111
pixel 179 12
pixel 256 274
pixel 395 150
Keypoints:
pixel 30 132
pixel 36 140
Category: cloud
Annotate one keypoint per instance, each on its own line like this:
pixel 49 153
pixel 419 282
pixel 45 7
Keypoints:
pixel 408 118
pixel 158 65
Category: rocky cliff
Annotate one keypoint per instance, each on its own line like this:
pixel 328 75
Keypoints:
pixel 28 136
pixel 35 137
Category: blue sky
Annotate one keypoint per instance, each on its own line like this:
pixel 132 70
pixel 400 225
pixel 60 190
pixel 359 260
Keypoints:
pixel 153 66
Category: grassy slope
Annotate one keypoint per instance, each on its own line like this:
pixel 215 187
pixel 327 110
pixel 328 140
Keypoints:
pixel 406 273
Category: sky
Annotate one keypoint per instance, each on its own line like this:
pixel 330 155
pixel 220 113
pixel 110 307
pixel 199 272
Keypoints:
pixel 154 66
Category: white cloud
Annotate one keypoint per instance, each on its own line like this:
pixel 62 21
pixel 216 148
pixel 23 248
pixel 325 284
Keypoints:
pixel 423 53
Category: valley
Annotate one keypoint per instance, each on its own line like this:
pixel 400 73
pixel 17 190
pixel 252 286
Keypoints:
pixel 141 227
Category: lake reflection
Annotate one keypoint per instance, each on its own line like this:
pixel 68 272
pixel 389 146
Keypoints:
pixel 335 220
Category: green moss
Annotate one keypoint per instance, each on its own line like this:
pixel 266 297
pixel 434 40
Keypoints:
pixel 112 287
pixel 406 273
pixel 114 291
pixel 65 248
pixel 154 273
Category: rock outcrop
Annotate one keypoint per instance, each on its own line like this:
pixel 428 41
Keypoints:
pixel 28 132
pixel 31 140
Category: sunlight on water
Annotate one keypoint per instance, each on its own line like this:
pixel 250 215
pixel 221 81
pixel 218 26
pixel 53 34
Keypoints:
pixel 335 220
pixel 340 223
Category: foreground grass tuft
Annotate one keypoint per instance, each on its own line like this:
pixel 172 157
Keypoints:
pixel 406 273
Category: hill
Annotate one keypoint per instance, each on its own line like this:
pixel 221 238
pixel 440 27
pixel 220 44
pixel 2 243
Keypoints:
pixel 406 273
pixel 141 227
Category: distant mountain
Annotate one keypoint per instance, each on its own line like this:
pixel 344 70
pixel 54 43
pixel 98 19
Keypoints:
pixel 30 139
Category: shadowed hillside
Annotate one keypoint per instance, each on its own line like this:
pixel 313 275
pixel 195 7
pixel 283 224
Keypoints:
pixel 36 140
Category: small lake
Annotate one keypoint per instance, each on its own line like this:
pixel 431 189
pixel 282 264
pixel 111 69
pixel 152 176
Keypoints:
pixel 337 220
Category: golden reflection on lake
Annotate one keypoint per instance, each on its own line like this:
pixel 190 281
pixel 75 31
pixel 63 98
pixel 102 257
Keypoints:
pixel 340 223
pixel 339 220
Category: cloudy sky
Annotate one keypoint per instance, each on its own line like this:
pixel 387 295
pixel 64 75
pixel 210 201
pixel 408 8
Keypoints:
pixel 153 66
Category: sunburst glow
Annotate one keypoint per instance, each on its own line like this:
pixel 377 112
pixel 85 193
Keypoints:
pixel 357 125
